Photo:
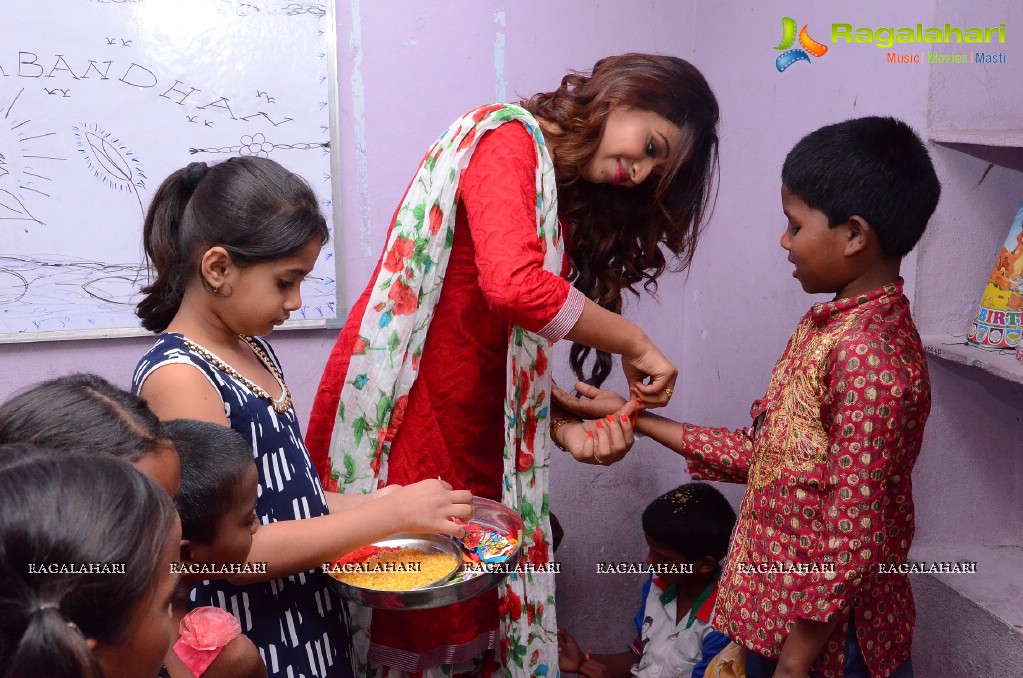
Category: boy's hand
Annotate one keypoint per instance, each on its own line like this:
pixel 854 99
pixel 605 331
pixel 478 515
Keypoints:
pixel 593 403
pixel 429 505
pixel 570 657
pixel 805 642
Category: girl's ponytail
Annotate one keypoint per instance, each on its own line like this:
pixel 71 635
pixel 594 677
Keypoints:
pixel 252 207
pixel 51 646
pixel 161 236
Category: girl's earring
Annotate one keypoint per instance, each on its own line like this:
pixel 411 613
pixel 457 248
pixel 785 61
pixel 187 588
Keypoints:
pixel 213 289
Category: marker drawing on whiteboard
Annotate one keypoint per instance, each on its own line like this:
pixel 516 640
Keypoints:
pixel 64 288
pixel 317 9
pixel 260 7
pixel 96 100
pixel 110 161
pixel 256 144
pixel 22 149
pixel 13 287
pixel 268 118
pixel 12 208
pixel 135 75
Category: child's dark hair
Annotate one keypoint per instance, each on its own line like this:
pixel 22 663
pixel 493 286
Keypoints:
pixel 693 519
pixel 15 454
pixel 873 167
pixel 251 206
pixel 213 461
pixel 82 413
pixel 75 509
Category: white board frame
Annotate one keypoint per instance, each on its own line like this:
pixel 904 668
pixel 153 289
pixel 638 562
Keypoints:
pixel 336 215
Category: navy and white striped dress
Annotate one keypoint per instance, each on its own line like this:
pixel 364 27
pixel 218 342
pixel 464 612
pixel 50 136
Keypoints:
pixel 298 623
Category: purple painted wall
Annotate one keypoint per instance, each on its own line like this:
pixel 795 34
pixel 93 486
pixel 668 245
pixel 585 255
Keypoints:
pixel 406 69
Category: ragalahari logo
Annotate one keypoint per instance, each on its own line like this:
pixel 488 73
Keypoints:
pixel 788 36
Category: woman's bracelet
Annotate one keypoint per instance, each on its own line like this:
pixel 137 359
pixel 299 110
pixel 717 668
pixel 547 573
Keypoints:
pixel 557 423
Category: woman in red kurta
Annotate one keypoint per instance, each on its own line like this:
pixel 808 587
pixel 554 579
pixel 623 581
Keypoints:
pixel 636 117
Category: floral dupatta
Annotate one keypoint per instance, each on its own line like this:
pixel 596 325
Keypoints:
pixel 385 363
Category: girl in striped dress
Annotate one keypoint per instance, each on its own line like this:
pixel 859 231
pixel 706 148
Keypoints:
pixel 231 245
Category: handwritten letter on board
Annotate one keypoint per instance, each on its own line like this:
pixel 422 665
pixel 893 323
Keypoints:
pixel 102 99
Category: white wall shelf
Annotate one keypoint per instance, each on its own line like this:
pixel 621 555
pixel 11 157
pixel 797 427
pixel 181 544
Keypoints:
pixel 1012 138
pixel 1001 363
pixel 998 147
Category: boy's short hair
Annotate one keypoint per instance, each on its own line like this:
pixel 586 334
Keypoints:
pixel 214 459
pixel 874 167
pixel 693 519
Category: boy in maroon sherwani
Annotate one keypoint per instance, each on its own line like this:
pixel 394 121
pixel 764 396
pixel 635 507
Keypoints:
pixel 808 588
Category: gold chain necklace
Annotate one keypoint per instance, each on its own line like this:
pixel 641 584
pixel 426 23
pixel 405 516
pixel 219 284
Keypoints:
pixel 280 406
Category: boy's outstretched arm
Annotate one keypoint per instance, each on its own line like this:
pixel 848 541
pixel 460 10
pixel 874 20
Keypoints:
pixel 710 453
pixel 667 432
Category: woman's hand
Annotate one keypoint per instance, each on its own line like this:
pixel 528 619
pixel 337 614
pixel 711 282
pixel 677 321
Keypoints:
pixel 600 441
pixel 605 331
pixel 593 403
pixel 648 361
pixel 570 657
pixel 429 505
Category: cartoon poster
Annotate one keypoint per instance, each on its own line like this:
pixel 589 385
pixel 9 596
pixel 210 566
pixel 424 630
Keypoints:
pixel 999 321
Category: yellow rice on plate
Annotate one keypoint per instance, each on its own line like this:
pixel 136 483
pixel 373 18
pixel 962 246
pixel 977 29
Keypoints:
pixel 396 569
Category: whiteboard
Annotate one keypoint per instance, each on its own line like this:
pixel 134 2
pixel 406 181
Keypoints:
pixel 102 99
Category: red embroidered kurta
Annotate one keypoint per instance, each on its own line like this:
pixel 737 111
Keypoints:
pixel 453 423
pixel 827 468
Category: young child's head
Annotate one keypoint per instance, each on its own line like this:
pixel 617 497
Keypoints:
pixel 240 236
pixel 691 524
pixel 81 511
pixel 858 195
pixel 217 501
pixel 87 414
pixel 14 454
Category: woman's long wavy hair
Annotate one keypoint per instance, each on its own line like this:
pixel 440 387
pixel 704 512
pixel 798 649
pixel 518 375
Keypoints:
pixel 616 236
